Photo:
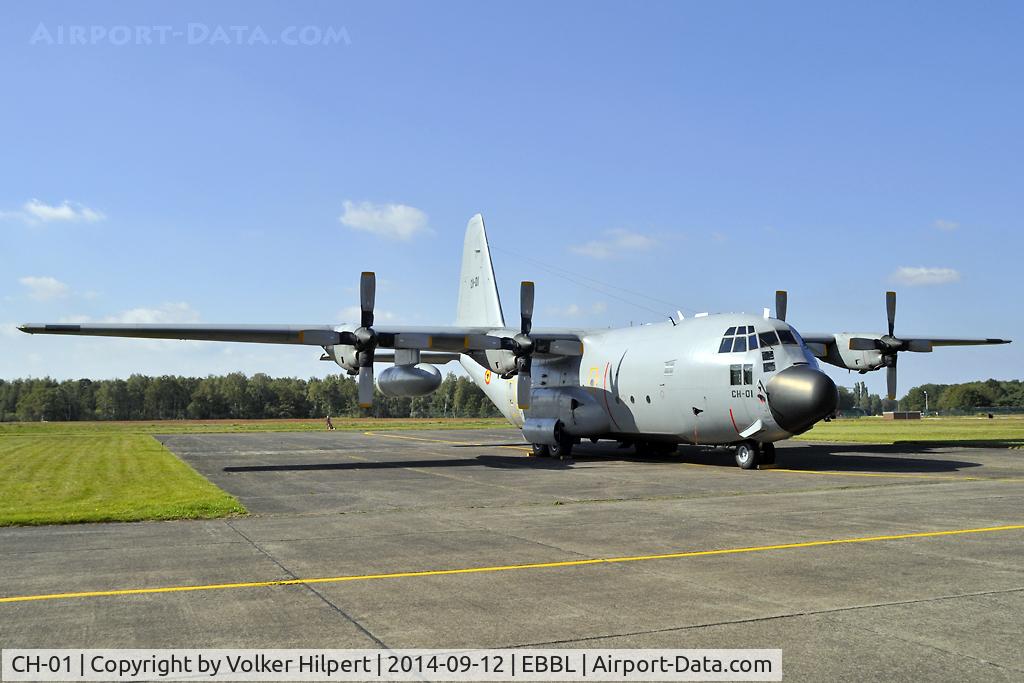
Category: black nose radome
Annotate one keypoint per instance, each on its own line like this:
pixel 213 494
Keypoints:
pixel 799 396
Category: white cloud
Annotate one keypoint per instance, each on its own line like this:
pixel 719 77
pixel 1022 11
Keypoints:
pixel 168 313
pixel 915 276
pixel 945 225
pixel 35 211
pixel 44 288
pixel 615 242
pixel 394 221
pixel 178 312
pixel 575 310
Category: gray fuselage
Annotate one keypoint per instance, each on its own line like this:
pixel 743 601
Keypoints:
pixel 676 382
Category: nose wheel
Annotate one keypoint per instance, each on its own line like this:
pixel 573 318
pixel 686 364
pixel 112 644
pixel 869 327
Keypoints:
pixel 748 455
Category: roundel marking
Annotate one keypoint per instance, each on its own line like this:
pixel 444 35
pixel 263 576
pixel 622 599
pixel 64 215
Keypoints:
pixel 487 376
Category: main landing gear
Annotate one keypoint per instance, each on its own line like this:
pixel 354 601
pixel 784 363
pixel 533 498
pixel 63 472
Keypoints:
pixel 750 455
pixel 562 449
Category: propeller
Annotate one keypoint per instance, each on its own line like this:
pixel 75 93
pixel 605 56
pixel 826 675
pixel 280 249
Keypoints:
pixel 781 299
pixel 890 345
pixel 523 346
pixel 364 339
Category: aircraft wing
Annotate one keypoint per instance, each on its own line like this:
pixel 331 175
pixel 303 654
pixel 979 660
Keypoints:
pixel 313 335
pixel 451 339
pixel 827 339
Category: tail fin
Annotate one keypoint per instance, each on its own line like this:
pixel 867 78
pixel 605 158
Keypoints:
pixel 479 304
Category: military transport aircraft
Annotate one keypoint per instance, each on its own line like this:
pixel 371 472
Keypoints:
pixel 732 379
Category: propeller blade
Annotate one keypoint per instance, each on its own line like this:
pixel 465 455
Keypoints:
pixel 919 345
pixel 781 300
pixel 526 305
pixel 367 296
pixel 890 309
pixel 523 385
pixel 366 386
pixel 863 344
pixel 890 380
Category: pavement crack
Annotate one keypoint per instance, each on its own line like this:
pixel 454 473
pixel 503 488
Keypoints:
pixel 771 617
pixel 919 643
pixel 540 543
pixel 365 631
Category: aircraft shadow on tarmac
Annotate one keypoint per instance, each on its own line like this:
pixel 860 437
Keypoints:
pixel 817 457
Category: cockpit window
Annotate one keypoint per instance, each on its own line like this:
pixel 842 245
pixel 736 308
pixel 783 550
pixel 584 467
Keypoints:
pixel 743 338
pixel 787 337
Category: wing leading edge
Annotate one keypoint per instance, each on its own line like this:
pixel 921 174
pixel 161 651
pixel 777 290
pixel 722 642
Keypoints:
pixel 451 339
pixel 827 339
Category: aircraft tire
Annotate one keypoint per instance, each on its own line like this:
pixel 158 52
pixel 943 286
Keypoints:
pixel 767 454
pixel 748 455
pixel 563 449
pixel 540 450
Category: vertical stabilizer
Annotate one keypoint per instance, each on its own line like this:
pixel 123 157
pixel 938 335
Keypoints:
pixel 479 304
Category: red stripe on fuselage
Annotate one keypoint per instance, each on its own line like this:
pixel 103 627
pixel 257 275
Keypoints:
pixel 733 421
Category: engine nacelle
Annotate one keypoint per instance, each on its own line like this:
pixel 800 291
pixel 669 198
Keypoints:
pixel 409 380
pixel 346 357
pixel 840 354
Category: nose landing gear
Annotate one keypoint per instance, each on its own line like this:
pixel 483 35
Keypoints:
pixel 750 455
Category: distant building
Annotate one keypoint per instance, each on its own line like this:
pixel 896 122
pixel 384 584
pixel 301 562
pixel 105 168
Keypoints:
pixel 901 415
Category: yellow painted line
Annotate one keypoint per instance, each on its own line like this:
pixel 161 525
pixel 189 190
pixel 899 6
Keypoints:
pixel 411 438
pixel 457 443
pixel 880 474
pixel 507 567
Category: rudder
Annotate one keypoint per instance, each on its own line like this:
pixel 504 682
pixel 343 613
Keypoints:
pixel 479 303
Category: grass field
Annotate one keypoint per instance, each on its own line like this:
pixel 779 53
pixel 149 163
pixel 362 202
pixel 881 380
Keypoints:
pixel 222 426
pixel 63 472
pixel 55 479
pixel 999 432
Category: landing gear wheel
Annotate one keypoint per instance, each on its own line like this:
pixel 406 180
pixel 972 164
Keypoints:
pixel 767 454
pixel 540 450
pixel 563 449
pixel 748 455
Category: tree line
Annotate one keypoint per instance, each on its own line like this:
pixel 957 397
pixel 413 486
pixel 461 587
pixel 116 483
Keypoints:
pixel 232 396
pixel 949 398
pixel 239 396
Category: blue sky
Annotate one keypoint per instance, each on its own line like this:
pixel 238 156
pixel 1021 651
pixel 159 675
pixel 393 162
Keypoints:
pixel 705 154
